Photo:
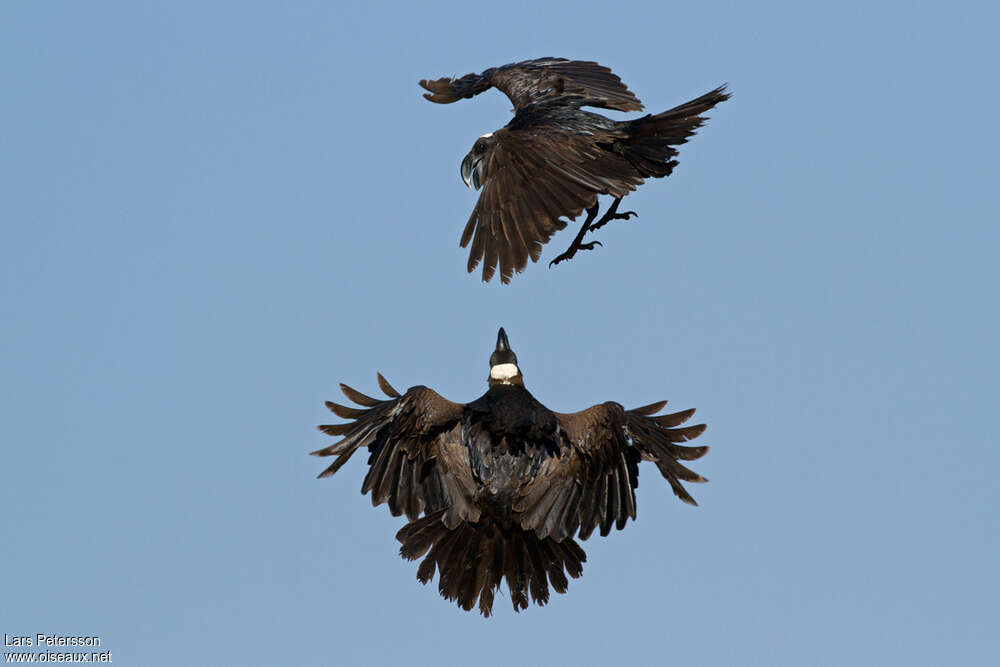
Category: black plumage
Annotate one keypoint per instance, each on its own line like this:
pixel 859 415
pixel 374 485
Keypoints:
pixel 497 489
pixel 553 159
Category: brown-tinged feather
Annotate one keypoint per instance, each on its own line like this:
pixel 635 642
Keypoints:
pixel 334 429
pixel 337 464
pixel 426 570
pixel 684 434
pixel 358 397
pixel 531 81
pixel 344 411
pixel 650 409
pixel 386 387
pixel 673 419
pixel 537 580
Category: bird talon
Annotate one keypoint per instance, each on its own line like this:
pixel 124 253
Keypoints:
pixel 573 250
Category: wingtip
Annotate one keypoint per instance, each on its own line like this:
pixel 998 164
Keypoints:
pixel 386 388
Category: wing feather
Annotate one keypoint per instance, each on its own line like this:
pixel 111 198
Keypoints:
pixel 358 397
pixel 531 181
pixel 405 436
pixel 650 409
pixel 386 388
pixel 655 441
pixel 531 81
pixel 591 484
pixel 673 419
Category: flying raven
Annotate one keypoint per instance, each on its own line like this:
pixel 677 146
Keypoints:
pixel 497 488
pixel 553 158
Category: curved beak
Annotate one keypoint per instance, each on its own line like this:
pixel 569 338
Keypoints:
pixel 470 171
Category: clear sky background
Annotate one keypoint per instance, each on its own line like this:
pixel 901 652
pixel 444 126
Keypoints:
pixel 214 212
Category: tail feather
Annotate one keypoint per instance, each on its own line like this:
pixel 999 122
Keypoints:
pixel 426 571
pixel 461 565
pixel 653 138
pixel 418 537
pixel 514 572
pixel 486 601
pixel 537 582
pixel 474 559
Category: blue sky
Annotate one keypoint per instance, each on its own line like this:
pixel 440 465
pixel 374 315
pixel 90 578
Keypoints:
pixel 214 213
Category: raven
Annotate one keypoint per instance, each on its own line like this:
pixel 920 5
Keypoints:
pixel 497 488
pixel 553 158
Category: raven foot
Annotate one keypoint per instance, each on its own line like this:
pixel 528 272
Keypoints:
pixel 612 214
pixel 577 243
pixel 572 251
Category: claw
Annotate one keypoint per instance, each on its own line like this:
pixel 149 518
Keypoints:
pixel 612 214
pixel 572 251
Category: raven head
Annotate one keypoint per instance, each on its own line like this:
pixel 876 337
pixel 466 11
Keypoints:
pixel 474 164
pixel 503 363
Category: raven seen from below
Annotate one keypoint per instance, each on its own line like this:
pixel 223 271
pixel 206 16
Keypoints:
pixel 498 488
pixel 553 158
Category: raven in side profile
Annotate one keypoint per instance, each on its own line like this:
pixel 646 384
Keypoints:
pixel 497 488
pixel 553 158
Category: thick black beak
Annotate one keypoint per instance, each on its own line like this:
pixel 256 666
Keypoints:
pixel 503 345
pixel 468 165
pixel 471 170
pixel 503 354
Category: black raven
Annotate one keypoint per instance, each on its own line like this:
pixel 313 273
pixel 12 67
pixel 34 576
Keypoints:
pixel 553 158
pixel 497 488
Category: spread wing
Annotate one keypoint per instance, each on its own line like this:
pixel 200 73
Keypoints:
pixel 530 81
pixel 417 463
pixel 530 180
pixel 593 483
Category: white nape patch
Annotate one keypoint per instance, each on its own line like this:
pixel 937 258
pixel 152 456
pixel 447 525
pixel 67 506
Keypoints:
pixel 504 371
pixel 486 136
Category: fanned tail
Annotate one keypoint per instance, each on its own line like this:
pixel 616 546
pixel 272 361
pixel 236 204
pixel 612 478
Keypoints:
pixel 652 138
pixel 473 559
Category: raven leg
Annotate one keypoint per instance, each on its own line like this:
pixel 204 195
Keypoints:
pixel 612 214
pixel 609 215
pixel 576 244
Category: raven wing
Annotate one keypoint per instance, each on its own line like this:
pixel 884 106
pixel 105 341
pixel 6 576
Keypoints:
pixel 417 462
pixel 593 483
pixel 553 160
pixel 530 180
pixel 531 81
